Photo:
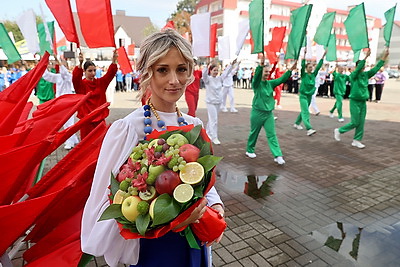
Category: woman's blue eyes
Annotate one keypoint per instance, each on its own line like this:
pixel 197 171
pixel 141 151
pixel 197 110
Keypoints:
pixel 165 70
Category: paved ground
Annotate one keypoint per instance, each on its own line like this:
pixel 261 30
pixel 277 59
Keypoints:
pixel 326 188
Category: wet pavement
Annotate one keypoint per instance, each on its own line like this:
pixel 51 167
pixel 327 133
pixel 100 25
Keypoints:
pixel 291 215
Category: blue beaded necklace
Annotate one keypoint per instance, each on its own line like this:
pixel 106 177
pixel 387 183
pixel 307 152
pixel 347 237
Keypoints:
pixel 160 123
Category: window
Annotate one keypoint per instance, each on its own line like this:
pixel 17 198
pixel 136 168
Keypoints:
pixel 203 9
pixel 216 6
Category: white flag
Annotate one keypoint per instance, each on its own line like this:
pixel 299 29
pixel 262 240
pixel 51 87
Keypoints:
pixel 319 51
pixel 200 25
pixel 224 51
pixel 244 27
pixel 27 24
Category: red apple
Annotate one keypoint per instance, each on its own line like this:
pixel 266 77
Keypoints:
pixel 189 152
pixel 167 181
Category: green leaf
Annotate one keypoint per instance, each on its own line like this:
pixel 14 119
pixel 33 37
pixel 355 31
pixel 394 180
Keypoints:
pixel 142 222
pixel 198 191
pixel 165 209
pixel 209 161
pixel 111 212
pixel 114 185
pixel 205 149
pixel 194 134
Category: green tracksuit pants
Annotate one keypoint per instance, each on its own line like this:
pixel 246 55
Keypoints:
pixel 258 119
pixel 338 105
pixel 358 111
pixel 304 115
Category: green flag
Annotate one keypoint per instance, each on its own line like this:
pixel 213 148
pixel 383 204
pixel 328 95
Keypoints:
pixel 299 20
pixel 356 28
pixel 256 14
pixel 356 55
pixel 387 31
pixel 324 29
pixel 331 54
pixel 8 46
pixel 43 42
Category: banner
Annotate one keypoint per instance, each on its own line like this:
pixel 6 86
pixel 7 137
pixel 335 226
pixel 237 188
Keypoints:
pixel 213 39
pixel 324 29
pixel 331 53
pixel 200 25
pixel 8 46
pixel 256 14
pixel 356 28
pixel 243 31
pixel 224 51
pixel 299 21
pixel 387 31
pixel 27 24
pixel 96 22
pixel 44 44
pixel 123 61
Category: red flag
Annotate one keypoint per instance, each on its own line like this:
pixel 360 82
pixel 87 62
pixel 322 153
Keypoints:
pixel 56 238
pixel 213 39
pixel 278 34
pixel 96 22
pixel 131 49
pixel 169 25
pixel 123 61
pixel 26 111
pixel 17 165
pixel 13 99
pixel 271 55
pixel 72 164
pixel 66 256
pixel 62 12
pixel 9 142
pixel 17 218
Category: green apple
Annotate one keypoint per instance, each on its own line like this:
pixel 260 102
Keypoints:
pixel 156 170
pixel 177 139
pixel 129 208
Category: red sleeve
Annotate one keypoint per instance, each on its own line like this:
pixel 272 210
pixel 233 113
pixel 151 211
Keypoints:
pixel 110 74
pixel 77 74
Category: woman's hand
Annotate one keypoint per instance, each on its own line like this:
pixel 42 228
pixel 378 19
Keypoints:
pixel 385 54
pixel 294 66
pixel 115 57
pixel 221 211
pixel 196 214
pixel 80 60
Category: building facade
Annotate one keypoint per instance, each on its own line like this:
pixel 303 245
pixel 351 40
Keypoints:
pixel 394 56
pixel 228 13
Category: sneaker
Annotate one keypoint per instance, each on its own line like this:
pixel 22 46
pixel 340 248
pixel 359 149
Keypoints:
pixel 68 147
pixel 279 106
pixel 298 127
pixel 234 110
pixel 341 120
pixel 251 155
pixel 331 115
pixel 216 141
pixel 279 160
pixel 316 114
pixel 275 118
pixel 224 109
pixel 311 132
pixel 358 144
pixel 336 134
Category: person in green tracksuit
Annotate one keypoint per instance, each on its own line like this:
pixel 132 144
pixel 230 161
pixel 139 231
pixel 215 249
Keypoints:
pixel 307 89
pixel 262 110
pixel 359 96
pixel 339 89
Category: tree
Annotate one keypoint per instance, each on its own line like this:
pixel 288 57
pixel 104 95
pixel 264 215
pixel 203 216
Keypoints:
pixel 151 28
pixel 12 26
pixel 185 5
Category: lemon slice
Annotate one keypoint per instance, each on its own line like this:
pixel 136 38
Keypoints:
pixel 192 173
pixel 119 197
pixel 183 193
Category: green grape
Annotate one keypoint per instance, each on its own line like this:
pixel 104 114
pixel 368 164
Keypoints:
pixel 180 159
pixel 136 155
pixel 172 162
pixel 175 168
pixel 159 149
pixel 136 149
pixel 143 170
pixel 181 167
pixel 177 146
pixel 181 143
pixel 183 162
pixel 176 151
pixel 145 145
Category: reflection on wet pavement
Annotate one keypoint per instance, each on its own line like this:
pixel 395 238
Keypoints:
pixel 252 185
pixel 364 246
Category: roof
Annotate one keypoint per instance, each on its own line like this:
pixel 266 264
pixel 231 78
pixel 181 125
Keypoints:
pixel 132 25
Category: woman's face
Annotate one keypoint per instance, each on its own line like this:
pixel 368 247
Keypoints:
pixel 309 68
pixel 169 80
pixel 266 72
pixel 214 72
pixel 90 72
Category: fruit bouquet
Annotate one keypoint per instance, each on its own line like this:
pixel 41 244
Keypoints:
pixel 162 182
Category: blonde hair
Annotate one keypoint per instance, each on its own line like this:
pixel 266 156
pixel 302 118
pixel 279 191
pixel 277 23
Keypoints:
pixel 157 46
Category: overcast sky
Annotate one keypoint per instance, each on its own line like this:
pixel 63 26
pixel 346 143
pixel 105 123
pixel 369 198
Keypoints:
pixel 11 9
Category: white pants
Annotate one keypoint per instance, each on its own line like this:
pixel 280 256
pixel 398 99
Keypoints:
pixel 128 82
pixel 227 91
pixel 212 124
pixel 73 140
pixel 313 103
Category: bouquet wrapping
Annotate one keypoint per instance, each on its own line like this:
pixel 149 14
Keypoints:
pixel 162 182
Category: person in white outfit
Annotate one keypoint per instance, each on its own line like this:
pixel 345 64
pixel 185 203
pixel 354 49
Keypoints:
pixel 227 88
pixel 319 80
pixel 213 84
pixel 63 81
